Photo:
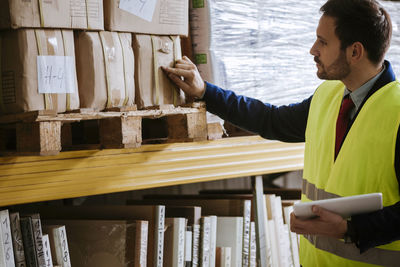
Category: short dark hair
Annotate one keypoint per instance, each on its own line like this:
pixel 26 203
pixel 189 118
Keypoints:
pixel 364 21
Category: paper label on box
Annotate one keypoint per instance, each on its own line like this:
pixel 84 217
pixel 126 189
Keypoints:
pixel 201 59
pixel 141 8
pixel 56 74
pixel 198 3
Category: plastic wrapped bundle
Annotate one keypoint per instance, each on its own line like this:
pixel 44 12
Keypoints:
pixel 257 48
pixel 261 48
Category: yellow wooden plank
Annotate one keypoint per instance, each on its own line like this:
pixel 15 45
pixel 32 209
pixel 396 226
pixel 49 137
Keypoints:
pixel 81 173
pixel 93 170
pixel 66 189
pixel 151 175
pixel 139 158
pixel 119 170
pixel 225 142
pixel 144 155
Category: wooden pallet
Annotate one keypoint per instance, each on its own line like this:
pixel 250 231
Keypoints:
pixel 47 133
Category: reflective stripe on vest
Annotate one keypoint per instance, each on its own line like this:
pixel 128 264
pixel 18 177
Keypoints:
pixel 365 164
pixel 314 193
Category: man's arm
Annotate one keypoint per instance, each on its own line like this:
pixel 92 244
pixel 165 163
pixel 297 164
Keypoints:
pixel 376 228
pixel 284 123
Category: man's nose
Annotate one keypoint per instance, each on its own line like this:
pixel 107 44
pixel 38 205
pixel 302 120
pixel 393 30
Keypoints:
pixel 314 51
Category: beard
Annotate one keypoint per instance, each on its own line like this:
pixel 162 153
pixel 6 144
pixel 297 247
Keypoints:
pixel 338 70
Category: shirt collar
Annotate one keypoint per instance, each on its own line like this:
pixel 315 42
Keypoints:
pixel 357 96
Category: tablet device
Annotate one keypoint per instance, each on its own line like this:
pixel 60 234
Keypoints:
pixel 344 206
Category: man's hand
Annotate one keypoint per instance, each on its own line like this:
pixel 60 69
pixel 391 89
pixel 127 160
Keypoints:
pixel 326 224
pixel 192 83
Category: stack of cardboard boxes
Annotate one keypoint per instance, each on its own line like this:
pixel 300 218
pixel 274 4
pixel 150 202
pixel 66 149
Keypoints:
pixel 55 54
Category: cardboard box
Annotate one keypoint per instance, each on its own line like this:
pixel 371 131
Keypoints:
pixel 105 243
pixel 71 14
pixel 37 71
pixel 153 87
pixel 165 17
pixel 105 66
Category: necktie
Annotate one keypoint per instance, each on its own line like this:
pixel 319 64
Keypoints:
pixel 342 122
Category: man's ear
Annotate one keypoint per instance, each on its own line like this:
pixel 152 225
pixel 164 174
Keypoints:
pixel 355 52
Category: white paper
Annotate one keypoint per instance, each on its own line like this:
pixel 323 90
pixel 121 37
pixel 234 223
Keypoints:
pixel 142 8
pixel 56 74
pixel 344 206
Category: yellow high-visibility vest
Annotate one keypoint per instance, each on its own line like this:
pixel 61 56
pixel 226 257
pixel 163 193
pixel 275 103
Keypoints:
pixel 365 164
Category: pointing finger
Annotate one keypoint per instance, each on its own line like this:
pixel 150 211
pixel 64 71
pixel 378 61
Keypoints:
pixel 185 63
pixel 187 59
pixel 184 66
pixel 179 72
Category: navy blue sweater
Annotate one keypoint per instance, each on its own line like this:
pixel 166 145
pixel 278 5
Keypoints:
pixel 288 124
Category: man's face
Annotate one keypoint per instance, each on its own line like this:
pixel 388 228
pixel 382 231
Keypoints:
pixel 331 60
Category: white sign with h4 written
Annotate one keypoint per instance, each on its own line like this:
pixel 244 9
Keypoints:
pixel 56 74
pixel 142 8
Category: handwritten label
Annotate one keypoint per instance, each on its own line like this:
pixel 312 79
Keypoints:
pixel 143 244
pixel 181 242
pixel 47 252
pixel 7 240
pixel 64 246
pixel 17 239
pixel 37 231
pixel 56 74
pixel 196 241
pixel 160 234
pixel 142 8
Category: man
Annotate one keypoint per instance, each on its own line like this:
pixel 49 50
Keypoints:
pixel 350 127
